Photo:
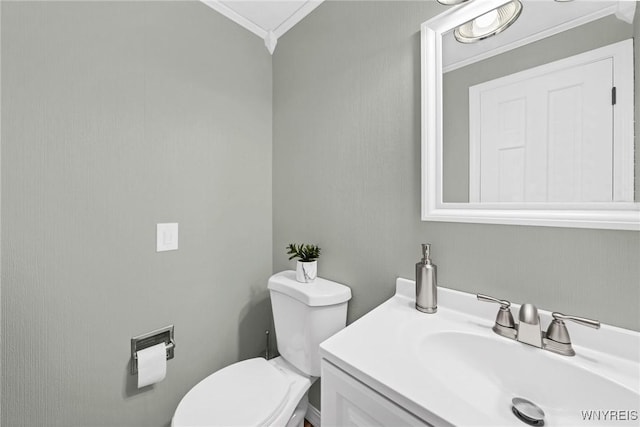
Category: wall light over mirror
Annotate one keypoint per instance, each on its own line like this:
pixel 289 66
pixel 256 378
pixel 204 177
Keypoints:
pixel 534 126
pixel 488 24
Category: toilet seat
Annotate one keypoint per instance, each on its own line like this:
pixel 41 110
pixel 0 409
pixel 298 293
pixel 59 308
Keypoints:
pixel 248 393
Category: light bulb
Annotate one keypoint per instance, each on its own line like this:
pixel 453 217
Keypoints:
pixel 486 20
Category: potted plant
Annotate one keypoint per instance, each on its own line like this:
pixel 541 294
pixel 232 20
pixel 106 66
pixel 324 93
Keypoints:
pixel 307 266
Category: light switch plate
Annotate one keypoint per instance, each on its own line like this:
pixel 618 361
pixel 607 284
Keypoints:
pixel 167 237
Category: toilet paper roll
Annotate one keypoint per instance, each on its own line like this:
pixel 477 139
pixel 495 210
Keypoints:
pixel 152 365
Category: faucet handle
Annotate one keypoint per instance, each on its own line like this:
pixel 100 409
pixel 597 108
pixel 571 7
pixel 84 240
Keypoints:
pixel 486 298
pixel 505 324
pixel 557 337
pixel 579 320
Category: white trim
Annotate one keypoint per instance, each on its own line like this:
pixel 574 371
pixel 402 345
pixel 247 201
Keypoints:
pixel 449 212
pixel 475 112
pixel 226 11
pixel 296 17
pixel 270 36
pixel 627 217
pixel 313 415
pixel 626 11
pixel 270 41
pixel 623 121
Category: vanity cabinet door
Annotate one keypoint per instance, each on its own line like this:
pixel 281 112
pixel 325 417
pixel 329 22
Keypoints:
pixel 348 402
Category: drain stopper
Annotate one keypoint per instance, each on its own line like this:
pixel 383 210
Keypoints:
pixel 527 411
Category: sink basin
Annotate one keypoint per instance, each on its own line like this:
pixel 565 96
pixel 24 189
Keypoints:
pixel 451 369
pixel 487 372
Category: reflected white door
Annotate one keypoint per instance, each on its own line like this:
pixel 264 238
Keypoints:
pixel 544 135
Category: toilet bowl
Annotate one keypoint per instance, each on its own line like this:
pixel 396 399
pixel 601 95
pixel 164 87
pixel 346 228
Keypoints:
pixel 257 392
pixel 254 392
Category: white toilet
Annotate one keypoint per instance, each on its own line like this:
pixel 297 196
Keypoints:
pixel 257 392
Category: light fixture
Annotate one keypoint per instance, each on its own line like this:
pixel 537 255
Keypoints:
pixel 489 24
pixel 451 2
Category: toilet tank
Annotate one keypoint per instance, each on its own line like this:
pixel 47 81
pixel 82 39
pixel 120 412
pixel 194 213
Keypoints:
pixel 305 314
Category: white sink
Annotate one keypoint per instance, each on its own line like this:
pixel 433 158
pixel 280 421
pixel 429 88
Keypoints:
pixel 488 371
pixel 450 368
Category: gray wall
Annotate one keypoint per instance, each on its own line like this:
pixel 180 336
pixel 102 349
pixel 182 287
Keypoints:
pixel 346 175
pixel 456 85
pixel 636 45
pixel 117 116
pixel 0 216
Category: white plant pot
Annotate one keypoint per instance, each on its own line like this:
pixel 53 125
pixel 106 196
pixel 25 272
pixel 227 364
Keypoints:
pixel 306 272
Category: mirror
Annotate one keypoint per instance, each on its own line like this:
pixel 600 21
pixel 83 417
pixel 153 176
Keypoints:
pixel 521 128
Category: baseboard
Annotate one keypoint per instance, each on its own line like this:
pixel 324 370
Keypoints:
pixel 313 415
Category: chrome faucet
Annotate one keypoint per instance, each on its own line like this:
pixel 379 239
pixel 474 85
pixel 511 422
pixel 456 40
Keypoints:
pixel 529 331
pixel 505 325
pixel 557 336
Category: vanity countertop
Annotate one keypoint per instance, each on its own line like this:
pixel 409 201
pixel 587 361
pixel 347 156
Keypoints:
pixel 449 368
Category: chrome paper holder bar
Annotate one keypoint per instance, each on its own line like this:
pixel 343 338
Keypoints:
pixel 162 335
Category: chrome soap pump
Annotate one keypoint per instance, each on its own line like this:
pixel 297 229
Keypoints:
pixel 426 283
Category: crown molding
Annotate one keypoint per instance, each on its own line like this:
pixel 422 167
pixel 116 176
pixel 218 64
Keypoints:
pixel 307 7
pixel 226 11
pixel 269 35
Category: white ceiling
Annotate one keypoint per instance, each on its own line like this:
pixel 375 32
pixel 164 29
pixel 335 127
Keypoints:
pixel 268 19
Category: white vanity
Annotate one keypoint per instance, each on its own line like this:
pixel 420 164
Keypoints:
pixel 396 366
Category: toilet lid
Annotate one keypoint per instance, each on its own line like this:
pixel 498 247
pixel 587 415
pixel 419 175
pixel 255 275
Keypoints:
pixel 247 393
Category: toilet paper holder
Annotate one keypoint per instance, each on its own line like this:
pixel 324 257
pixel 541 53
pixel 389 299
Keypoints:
pixel 162 335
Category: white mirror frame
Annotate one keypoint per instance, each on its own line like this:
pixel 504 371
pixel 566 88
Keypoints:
pixel 625 216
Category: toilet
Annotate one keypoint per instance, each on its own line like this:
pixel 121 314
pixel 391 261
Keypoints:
pixel 257 392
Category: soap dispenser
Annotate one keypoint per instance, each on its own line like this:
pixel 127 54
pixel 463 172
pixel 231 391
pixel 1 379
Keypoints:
pixel 426 283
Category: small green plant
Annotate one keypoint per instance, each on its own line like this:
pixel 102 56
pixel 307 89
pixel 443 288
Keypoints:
pixel 305 252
